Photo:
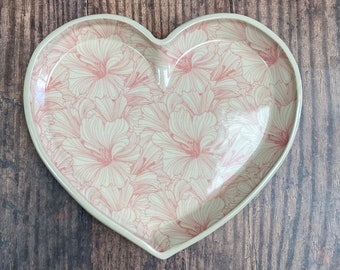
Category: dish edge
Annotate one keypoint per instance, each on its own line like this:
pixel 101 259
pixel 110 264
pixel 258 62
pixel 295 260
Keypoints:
pixel 86 205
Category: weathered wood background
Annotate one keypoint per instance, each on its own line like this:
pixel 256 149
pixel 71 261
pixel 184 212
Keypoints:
pixel 292 224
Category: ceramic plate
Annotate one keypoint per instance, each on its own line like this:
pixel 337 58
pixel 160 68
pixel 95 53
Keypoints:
pixel 163 140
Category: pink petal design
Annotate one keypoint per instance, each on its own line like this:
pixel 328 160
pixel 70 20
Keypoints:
pixel 283 94
pixel 67 122
pixel 188 147
pixel 96 67
pixel 127 218
pixel 231 31
pixel 105 29
pixel 156 115
pixel 227 78
pixel 163 204
pixel 53 92
pixel 109 110
pixel 140 85
pixel 184 43
pixel 197 221
pixel 192 70
pixel 255 70
pixel 145 183
pixel 188 226
pixel 103 150
pixel 163 140
pixel 278 134
pixel 118 198
pixel 149 160
pixel 272 55
pixel 197 103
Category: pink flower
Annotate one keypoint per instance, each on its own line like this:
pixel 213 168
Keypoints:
pixel 156 115
pixel 109 109
pixel 149 160
pixel 58 47
pixel 185 42
pixel 188 145
pixel 247 119
pixel 231 31
pixel 255 69
pixel 193 59
pixel 67 122
pixel 284 94
pixel 238 152
pixel 115 203
pixel 278 132
pixel 272 54
pixel 195 218
pixel 248 178
pixel 192 70
pixel 52 91
pixel 197 103
pixel 227 78
pixel 192 220
pixel 104 153
pixel 164 203
pixel 98 67
pixel 140 84
pixel 104 28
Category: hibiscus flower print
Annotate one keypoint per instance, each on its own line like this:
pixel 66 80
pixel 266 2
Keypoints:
pixel 156 115
pixel 164 203
pixel 159 62
pixel 255 69
pixel 227 77
pixel 149 160
pixel 163 140
pixel 62 161
pixel 231 30
pixel 238 152
pixel 247 180
pixel 104 153
pixel 110 109
pixel 271 54
pixel 184 43
pixel 52 52
pixel 197 103
pixel 104 28
pixel 52 92
pixel 192 70
pixel 140 85
pixel 67 122
pixel 283 93
pixel 192 220
pixel 97 67
pixel 115 203
pixel 189 145
pixel 278 133
pixel 278 63
pixel 248 120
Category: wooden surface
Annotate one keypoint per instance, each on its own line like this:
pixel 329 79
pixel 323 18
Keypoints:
pixel 292 224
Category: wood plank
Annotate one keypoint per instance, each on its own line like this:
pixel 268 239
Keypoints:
pixel 41 227
pixel 291 224
pixel 300 187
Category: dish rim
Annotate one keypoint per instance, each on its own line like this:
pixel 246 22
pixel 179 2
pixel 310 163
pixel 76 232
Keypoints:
pixel 161 42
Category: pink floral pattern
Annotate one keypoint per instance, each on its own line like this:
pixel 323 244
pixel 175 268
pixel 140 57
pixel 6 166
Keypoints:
pixel 164 141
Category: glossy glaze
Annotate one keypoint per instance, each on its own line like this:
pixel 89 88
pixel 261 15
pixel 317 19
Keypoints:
pixel 162 140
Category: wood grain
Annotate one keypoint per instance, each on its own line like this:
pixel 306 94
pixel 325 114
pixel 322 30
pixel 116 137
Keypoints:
pixel 292 224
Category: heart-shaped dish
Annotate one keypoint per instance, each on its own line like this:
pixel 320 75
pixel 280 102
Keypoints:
pixel 163 140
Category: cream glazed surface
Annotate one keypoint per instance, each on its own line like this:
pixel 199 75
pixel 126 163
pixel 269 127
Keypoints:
pixel 163 140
